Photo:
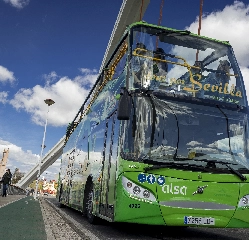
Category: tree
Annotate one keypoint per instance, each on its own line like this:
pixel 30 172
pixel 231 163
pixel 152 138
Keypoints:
pixel 16 176
pixel 33 185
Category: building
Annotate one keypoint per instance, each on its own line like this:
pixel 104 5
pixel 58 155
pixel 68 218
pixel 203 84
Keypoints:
pixel 49 187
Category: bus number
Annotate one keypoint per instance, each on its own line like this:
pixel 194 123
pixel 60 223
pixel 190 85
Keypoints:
pixel 134 205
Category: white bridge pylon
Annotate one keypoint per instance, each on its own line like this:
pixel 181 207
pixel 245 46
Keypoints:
pixel 46 161
pixel 129 13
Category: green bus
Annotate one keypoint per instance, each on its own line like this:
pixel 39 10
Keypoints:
pixel 162 137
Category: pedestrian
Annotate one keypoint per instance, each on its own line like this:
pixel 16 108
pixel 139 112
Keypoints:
pixel 32 191
pixel 27 192
pixel 6 180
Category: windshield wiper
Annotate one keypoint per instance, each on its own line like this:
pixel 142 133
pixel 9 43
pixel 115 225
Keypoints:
pixel 165 165
pixel 156 164
pixel 212 164
pixel 146 159
pixel 173 33
pixel 240 175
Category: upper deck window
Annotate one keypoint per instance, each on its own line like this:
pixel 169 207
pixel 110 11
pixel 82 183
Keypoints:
pixel 185 64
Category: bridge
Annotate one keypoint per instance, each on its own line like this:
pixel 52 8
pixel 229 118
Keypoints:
pixel 130 11
pixel 47 161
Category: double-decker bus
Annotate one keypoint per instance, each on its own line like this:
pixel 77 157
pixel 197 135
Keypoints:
pixel 162 137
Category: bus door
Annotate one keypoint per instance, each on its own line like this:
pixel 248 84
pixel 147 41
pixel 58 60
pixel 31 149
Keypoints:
pixel 109 167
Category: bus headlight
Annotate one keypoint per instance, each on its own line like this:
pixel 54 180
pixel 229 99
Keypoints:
pixel 146 194
pixel 244 201
pixel 137 191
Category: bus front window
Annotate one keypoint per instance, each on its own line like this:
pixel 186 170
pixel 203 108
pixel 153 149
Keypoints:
pixel 183 64
pixel 169 131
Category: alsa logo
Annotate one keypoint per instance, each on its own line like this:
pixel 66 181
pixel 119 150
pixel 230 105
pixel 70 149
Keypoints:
pixel 174 189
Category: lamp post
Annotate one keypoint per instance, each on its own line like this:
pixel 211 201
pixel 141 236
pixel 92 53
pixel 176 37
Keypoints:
pixel 49 102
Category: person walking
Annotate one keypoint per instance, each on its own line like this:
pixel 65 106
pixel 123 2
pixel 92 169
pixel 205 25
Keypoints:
pixel 6 180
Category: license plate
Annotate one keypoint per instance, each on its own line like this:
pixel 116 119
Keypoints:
pixel 199 220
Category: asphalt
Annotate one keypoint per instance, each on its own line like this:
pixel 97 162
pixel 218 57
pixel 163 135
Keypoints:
pixel 21 218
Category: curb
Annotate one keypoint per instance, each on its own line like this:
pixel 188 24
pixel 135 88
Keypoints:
pixel 78 226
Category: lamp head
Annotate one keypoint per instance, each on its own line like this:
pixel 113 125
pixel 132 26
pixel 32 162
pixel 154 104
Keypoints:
pixel 49 102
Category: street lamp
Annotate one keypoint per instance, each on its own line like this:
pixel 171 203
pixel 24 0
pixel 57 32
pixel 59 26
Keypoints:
pixel 49 102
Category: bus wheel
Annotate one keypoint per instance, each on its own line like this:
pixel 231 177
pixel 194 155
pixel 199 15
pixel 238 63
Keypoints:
pixel 89 206
pixel 61 205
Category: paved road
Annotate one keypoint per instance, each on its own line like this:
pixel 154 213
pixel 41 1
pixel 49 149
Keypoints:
pixel 121 231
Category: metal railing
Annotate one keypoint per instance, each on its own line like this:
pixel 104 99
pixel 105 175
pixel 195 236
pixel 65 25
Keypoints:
pixel 13 190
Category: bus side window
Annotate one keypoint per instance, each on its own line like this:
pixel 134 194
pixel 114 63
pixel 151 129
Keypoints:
pixel 119 61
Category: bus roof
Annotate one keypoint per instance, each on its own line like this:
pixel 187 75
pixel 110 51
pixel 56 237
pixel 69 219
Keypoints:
pixel 143 23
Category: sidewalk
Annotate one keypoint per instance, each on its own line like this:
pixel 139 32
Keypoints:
pixel 21 218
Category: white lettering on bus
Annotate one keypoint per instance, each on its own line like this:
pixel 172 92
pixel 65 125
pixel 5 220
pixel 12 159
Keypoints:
pixel 174 189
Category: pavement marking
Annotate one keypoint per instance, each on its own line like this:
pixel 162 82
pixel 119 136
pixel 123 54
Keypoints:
pixel 75 223
pixel 12 201
pixel 18 219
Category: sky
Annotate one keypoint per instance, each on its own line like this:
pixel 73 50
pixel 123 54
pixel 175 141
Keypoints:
pixel 54 49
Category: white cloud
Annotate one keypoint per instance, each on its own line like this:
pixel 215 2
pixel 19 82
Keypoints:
pixel 3 97
pixel 231 25
pixel 89 76
pixel 18 158
pixel 245 74
pixel 194 143
pixel 87 71
pixel 51 77
pixel 68 94
pixel 6 75
pixel 18 3
pixel 26 161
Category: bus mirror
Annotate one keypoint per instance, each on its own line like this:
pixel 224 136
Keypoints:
pixel 124 108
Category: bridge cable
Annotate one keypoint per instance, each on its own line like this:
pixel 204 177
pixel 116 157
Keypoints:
pixel 160 19
pixel 141 9
pixel 199 28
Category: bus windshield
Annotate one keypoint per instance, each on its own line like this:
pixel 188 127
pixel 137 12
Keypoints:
pixel 168 130
pixel 184 64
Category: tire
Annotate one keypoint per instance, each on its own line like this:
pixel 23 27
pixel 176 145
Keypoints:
pixel 89 205
pixel 60 204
